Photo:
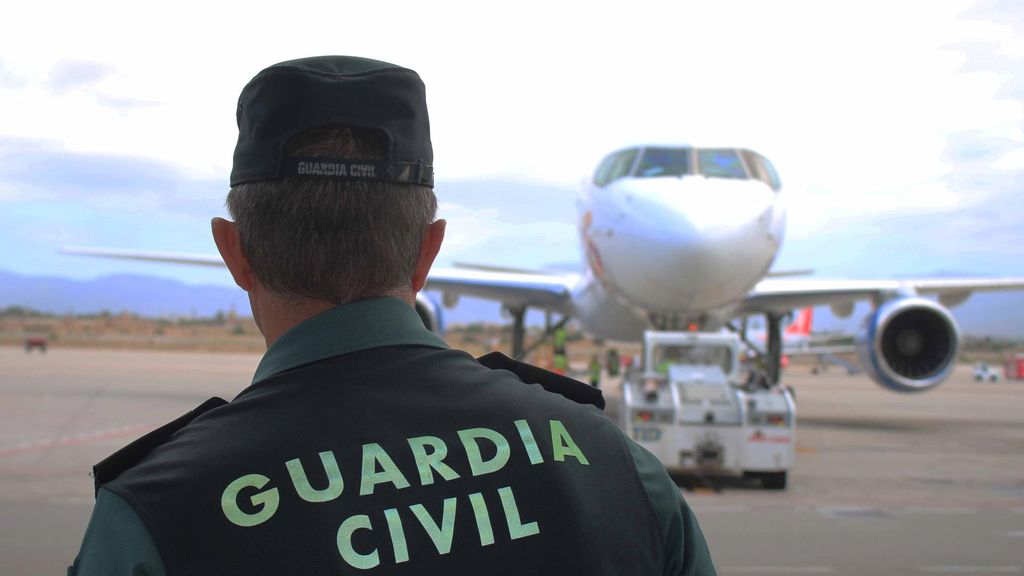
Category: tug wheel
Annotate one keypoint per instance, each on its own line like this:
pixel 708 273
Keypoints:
pixel 770 480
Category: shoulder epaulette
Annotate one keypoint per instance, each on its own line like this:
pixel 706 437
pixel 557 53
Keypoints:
pixel 130 455
pixel 552 382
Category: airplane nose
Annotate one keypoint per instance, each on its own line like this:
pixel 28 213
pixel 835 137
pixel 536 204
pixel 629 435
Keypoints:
pixel 704 215
pixel 694 245
pixel 698 215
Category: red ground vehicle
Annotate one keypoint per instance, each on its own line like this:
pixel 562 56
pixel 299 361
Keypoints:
pixel 1015 367
pixel 35 342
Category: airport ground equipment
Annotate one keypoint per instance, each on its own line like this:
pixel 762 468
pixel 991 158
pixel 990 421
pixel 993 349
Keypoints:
pixel 689 405
pixel 35 343
pixel 984 373
pixel 1014 368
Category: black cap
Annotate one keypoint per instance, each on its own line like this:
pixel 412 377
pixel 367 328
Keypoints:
pixel 333 91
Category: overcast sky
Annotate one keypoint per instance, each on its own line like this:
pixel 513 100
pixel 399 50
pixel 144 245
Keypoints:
pixel 897 127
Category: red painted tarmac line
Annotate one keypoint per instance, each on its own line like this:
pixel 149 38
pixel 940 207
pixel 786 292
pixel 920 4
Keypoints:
pixel 75 440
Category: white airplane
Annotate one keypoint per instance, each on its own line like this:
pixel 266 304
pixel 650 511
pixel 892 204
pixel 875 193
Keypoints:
pixel 683 238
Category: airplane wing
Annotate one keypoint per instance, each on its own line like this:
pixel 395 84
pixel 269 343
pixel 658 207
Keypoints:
pixel 173 257
pixel 780 296
pixel 511 287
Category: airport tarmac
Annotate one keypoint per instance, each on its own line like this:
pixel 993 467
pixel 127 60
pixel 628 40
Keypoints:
pixel 884 483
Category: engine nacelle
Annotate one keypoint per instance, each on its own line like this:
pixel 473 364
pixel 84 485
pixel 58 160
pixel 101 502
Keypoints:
pixel 909 344
pixel 430 313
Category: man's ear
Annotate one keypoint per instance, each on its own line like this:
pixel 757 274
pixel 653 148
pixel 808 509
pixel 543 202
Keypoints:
pixel 431 245
pixel 229 244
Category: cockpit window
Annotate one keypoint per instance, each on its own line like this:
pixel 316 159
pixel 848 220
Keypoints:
pixel 720 163
pixel 664 162
pixel 614 167
pixel 761 169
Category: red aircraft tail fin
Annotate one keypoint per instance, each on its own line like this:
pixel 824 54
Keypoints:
pixel 801 325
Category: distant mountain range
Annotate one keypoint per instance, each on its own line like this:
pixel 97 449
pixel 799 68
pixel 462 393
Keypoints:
pixel 143 295
pixel 996 314
pixel 161 297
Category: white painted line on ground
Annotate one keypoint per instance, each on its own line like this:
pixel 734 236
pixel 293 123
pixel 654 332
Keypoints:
pixel 971 569
pixel 941 510
pixel 776 570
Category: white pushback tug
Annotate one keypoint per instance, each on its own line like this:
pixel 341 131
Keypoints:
pixel 689 405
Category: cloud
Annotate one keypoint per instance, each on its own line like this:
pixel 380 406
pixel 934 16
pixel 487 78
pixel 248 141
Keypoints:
pixel 1012 160
pixel 925 117
pixel 990 158
pixel 46 166
pixel 101 198
pixel 140 202
pixel 948 141
pixel 54 196
pixel 980 238
pixel 977 148
pixel 10 194
pixel 68 75
pixel 507 223
pixel 124 104
pixel 9 79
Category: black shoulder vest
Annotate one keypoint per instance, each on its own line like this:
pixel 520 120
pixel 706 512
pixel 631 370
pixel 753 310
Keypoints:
pixel 400 460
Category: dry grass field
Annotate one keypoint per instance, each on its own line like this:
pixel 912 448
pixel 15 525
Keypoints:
pixel 234 333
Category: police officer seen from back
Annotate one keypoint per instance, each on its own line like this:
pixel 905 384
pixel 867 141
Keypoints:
pixel 364 444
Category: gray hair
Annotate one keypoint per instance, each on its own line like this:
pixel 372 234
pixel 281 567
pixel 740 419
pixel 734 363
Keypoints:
pixel 332 240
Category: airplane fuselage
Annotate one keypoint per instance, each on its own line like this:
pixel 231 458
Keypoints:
pixel 675 240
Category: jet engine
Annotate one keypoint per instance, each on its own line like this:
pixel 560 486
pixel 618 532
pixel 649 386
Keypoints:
pixel 430 313
pixel 909 344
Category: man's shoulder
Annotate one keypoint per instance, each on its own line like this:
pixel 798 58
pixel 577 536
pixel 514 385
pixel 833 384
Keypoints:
pixel 551 381
pixel 440 369
pixel 117 463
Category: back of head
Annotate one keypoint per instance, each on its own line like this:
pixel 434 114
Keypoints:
pixel 331 187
